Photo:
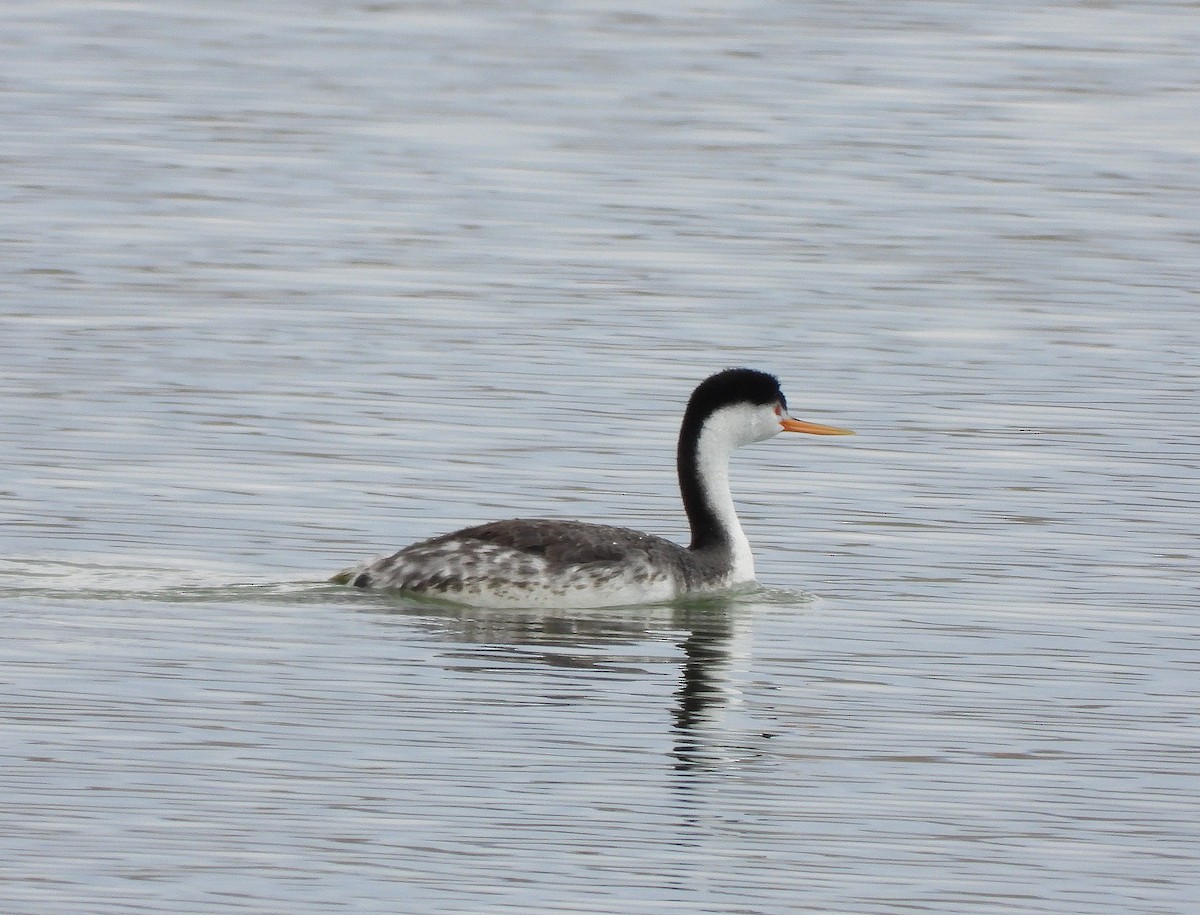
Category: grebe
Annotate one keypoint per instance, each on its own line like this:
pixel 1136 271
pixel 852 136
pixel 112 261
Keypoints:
pixel 540 562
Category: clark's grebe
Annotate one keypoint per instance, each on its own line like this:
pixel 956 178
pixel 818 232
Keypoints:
pixel 541 562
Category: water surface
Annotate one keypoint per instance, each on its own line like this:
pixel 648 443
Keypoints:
pixel 286 287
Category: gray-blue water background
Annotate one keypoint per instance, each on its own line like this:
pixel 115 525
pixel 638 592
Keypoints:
pixel 286 285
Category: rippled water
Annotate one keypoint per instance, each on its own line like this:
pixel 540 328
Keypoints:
pixel 287 286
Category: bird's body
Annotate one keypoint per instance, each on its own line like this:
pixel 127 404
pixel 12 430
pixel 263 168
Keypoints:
pixel 534 562
pixel 544 562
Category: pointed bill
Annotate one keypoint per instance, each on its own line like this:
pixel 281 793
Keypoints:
pixel 796 425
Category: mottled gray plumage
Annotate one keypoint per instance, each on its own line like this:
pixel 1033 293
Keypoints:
pixel 524 554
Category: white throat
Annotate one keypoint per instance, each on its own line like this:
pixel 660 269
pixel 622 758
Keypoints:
pixel 723 432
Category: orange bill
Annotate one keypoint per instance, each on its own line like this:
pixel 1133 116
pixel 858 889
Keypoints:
pixel 796 425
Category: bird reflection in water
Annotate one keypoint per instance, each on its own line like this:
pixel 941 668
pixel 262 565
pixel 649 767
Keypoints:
pixel 713 629
pixel 704 688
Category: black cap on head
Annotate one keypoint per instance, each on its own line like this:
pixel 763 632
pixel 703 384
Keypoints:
pixel 733 386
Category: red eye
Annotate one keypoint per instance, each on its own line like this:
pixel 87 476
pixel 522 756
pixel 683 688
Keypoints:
pixel 778 410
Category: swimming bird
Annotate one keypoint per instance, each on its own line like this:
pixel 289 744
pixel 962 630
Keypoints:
pixel 542 562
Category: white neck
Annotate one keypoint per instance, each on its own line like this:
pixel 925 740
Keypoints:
pixel 713 450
